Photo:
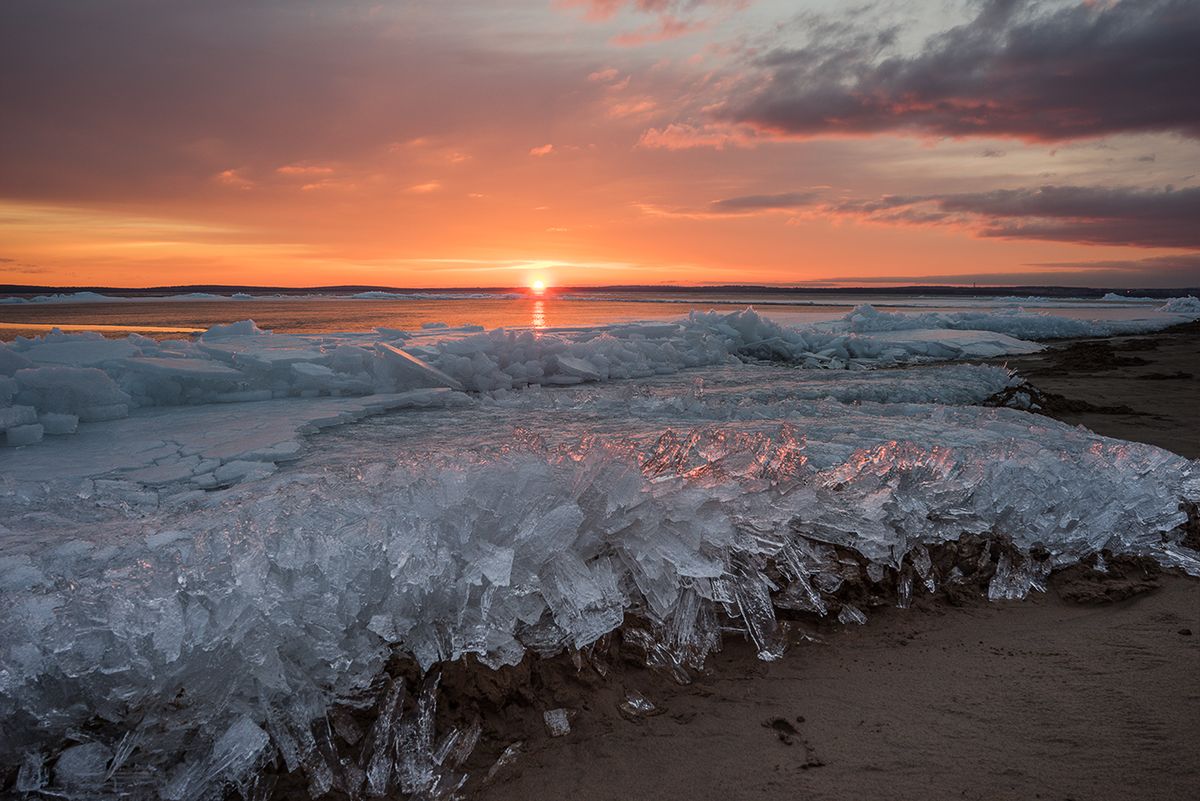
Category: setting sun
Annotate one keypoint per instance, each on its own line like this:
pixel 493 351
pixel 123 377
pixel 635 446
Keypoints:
pixel 538 287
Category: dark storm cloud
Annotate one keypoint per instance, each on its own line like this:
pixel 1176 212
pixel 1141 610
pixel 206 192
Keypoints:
pixel 1015 70
pixel 752 203
pixel 1089 215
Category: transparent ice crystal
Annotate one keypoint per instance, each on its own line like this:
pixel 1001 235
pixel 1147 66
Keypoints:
pixel 189 651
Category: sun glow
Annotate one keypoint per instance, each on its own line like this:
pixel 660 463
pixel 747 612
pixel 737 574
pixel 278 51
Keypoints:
pixel 538 287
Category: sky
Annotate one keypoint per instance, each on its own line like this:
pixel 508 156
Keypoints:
pixel 448 143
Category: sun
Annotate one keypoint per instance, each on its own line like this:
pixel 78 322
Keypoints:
pixel 538 287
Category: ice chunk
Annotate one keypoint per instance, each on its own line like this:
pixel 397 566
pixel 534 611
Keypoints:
pixel 55 423
pixel 15 416
pixel 82 766
pixel 11 361
pixel 506 758
pixel 239 329
pixel 851 614
pixel 558 723
pixel 82 391
pixel 237 749
pixel 580 368
pixel 1189 305
pixel 409 372
pixel 81 352
pixel 637 705
pixel 23 435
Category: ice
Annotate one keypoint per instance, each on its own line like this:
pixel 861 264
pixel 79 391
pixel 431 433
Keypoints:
pixel 85 392
pixel 79 350
pixel 230 585
pixel 1188 306
pixel 637 705
pixel 11 361
pixel 558 723
pixel 197 447
pixel 58 423
pixel 1113 296
pixel 23 435
pixel 15 416
pixel 1013 322
pixel 73 297
pixel 850 613
pixel 82 765
pixel 506 758
pixel 241 328
pixel 296 592
pixel 99 379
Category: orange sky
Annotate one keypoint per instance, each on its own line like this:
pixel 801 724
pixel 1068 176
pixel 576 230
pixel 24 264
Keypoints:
pixel 437 145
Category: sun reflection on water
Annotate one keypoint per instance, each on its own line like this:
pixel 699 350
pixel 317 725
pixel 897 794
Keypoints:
pixel 539 314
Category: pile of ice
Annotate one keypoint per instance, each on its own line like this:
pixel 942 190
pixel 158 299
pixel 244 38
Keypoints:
pixel 49 384
pixel 1188 306
pixel 180 654
pixel 1117 298
pixel 1015 322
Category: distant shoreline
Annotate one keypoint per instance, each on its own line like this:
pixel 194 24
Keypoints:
pixel 939 290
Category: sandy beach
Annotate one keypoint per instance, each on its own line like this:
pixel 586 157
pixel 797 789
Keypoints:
pixel 1085 692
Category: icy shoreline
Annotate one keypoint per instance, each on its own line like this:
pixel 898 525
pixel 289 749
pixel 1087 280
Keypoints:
pixel 183 646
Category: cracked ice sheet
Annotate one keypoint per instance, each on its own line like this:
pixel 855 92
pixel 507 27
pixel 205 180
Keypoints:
pixel 158 445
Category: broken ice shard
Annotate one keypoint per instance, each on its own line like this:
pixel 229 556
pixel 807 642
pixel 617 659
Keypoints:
pixel 558 723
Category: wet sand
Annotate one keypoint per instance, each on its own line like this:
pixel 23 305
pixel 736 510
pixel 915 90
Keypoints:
pixel 1086 692
pixel 1143 388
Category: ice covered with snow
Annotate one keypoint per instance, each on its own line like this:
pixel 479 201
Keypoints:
pixel 196 588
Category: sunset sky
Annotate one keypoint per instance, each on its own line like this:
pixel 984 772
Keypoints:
pixel 450 143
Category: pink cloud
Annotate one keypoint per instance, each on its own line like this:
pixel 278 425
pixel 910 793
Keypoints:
pixel 304 169
pixel 682 136
pixel 541 150
pixel 233 179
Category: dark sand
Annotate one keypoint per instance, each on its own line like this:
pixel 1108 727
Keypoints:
pixel 1144 388
pixel 1047 698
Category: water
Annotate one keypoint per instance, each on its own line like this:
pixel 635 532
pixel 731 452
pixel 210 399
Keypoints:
pixel 314 314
